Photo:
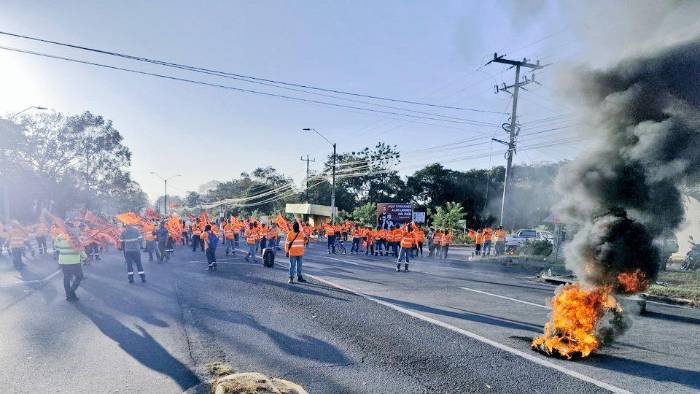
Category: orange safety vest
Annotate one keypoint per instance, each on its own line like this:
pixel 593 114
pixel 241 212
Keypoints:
pixel 228 231
pixel 500 235
pixel 251 236
pixel 148 232
pixel 396 235
pixel 420 235
pixel 437 238
pixel 407 240
pixel 445 240
pixel 297 242
pixel 17 236
pixel 479 239
pixel 196 230
pixel 41 229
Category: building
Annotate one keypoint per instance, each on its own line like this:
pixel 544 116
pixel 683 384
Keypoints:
pixel 311 213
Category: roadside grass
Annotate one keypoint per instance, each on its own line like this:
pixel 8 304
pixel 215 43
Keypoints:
pixel 677 284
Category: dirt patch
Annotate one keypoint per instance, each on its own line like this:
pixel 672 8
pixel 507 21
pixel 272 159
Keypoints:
pixel 253 382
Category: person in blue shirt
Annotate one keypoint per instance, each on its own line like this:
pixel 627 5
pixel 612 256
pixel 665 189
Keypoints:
pixel 210 244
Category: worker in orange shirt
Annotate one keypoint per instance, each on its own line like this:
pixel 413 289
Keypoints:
pixel 41 230
pixel 478 240
pixel 499 238
pixel 196 235
pixel 229 235
pixel 251 240
pixel 149 236
pixel 16 238
pixel 294 248
pixel 356 234
pixel 437 239
pixel 369 241
pixel 378 241
pixel 488 233
pixel 420 238
pixel 445 242
pixel 407 242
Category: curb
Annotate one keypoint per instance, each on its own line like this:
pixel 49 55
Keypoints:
pixel 672 300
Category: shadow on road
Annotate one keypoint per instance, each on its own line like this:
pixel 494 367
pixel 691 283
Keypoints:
pixel 305 346
pixel 296 288
pixel 466 315
pixel 142 347
pixel 647 370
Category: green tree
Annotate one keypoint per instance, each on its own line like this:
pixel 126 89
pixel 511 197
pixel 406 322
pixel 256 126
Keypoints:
pixel 448 216
pixel 366 214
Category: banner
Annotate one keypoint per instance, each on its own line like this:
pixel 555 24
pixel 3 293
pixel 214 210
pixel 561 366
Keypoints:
pixel 389 214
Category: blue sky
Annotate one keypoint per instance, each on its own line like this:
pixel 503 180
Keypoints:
pixel 416 50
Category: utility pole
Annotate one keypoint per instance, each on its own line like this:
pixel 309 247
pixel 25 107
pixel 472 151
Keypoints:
pixel 307 160
pixel 333 189
pixel 512 129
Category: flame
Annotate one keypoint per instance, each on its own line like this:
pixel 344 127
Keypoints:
pixel 632 282
pixel 575 314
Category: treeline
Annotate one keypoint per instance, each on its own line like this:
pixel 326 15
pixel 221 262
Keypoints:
pixel 371 175
pixel 65 162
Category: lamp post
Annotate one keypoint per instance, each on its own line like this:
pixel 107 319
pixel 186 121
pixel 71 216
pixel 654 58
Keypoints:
pixel 5 189
pixel 333 171
pixel 165 195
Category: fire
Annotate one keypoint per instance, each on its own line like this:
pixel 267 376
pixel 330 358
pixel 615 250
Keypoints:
pixel 571 332
pixel 632 282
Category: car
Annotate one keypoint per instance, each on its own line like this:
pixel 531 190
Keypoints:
pixel 521 236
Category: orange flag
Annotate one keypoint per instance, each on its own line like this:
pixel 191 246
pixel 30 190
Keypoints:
pixel 129 218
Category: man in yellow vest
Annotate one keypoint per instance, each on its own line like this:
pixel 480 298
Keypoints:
pixel 70 254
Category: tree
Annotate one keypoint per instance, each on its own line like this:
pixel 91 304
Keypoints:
pixel 366 214
pixel 448 216
pixel 193 199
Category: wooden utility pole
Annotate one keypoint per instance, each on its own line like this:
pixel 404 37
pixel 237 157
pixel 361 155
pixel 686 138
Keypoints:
pixel 512 129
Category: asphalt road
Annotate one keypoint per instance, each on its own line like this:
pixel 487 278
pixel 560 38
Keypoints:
pixel 358 327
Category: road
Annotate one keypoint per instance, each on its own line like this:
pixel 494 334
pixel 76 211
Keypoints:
pixel 357 326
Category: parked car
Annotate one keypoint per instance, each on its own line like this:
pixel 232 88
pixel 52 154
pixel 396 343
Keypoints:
pixel 521 236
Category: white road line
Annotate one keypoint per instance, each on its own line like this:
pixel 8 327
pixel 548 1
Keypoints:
pixel 505 298
pixel 527 356
pixel 28 282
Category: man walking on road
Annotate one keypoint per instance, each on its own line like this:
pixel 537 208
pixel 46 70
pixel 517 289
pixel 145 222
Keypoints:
pixel 251 239
pixel 211 241
pixel 408 240
pixel 131 242
pixel 69 255
pixel 294 248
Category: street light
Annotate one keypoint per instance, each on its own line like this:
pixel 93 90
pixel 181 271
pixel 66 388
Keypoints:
pixel 165 196
pixel 333 183
pixel 5 190
pixel 27 109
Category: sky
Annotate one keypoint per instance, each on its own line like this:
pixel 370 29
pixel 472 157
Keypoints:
pixel 411 50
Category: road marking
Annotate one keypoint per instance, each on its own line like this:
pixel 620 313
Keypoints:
pixel 506 298
pixel 28 282
pixel 527 356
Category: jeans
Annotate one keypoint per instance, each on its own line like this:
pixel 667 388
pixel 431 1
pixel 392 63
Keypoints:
pixel 404 254
pixel 72 276
pixel 378 248
pixel 211 255
pixel 17 257
pixel 444 251
pixel 263 243
pixel 295 265
pixel 420 248
pixel 133 257
pixel 395 248
pixel 185 238
pixel 251 252
pixel 151 248
pixel 331 243
pixel 41 241
pixel 196 241
pixel 370 249
pixel 230 247
pixel 487 248
pixel 355 245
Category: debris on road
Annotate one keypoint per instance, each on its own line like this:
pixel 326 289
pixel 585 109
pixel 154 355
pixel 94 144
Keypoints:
pixel 254 382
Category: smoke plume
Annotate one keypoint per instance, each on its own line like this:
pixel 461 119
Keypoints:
pixel 625 194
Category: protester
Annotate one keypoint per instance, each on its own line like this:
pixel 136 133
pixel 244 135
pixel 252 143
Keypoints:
pixel 70 253
pixel 16 240
pixel 408 241
pixel 211 241
pixel 500 241
pixel 420 237
pixel 196 229
pixel 131 244
pixel 478 241
pixel 294 248
pixel 251 239
pixel 149 235
pixel 162 238
pixel 445 242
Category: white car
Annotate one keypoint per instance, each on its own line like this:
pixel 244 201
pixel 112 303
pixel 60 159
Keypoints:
pixel 522 235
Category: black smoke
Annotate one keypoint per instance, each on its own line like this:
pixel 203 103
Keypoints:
pixel 626 193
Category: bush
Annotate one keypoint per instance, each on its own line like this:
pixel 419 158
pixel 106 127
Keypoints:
pixel 536 248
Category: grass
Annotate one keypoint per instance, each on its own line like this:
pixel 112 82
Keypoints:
pixel 218 369
pixel 678 284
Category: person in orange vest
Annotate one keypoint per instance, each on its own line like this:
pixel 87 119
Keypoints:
pixel 407 242
pixel 396 235
pixel 16 238
pixel 478 240
pixel 378 241
pixel 211 241
pixel 185 233
pixel 368 236
pixel 445 242
pixel 41 230
pixel 262 238
pixel 499 237
pixel 251 240
pixel 229 236
pixel 149 236
pixel 486 250
pixel 272 235
pixel 420 237
pixel 196 235
pixel 294 248
pixel 356 234
pixel 437 239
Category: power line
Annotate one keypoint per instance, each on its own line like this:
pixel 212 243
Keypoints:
pixel 238 76
pixel 216 85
